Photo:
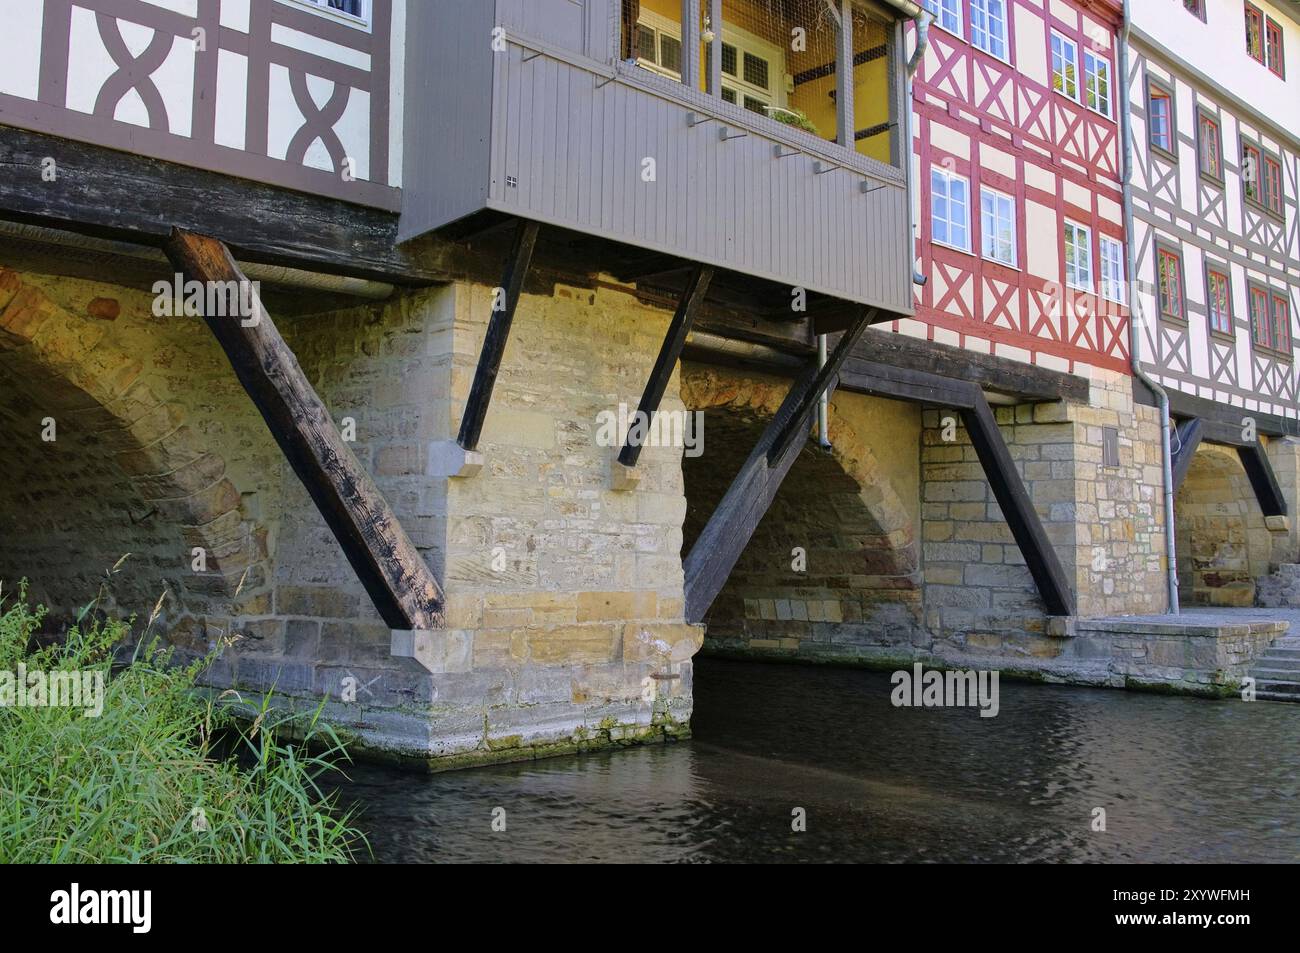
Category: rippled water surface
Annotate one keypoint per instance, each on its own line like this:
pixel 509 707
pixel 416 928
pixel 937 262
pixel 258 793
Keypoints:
pixel 1180 780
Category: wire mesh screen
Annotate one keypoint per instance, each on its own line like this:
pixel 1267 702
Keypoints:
pixel 874 128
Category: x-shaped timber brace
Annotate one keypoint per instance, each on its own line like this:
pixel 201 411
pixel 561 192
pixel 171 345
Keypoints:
pixel 385 560
pixel 728 531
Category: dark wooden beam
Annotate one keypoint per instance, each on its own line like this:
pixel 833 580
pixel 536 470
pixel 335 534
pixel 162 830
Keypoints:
pixel 498 332
pixel 1018 509
pixel 1189 436
pixel 1223 420
pixel 998 374
pixel 737 515
pixel 901 383
pixel 1262 479
pixel 378 549
pixel 687 308
pixel 131 197
pixel 732 524
pixel 793 416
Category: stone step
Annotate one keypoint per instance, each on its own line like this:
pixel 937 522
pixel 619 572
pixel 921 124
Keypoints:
pixel 1263 673
pixel 1277 697
pixel 1274 664
pixel 1284 688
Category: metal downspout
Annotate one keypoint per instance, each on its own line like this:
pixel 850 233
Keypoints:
pixel 1136 319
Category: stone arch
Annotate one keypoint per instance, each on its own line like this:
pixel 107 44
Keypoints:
pixel 861 589
pixel 127 472
pixel 1222 542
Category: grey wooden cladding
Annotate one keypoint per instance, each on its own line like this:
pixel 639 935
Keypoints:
pixel 389 566
pixel 568 138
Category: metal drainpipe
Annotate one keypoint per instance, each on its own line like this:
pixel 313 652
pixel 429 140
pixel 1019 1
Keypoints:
pixel 922 18
pixel 1136 318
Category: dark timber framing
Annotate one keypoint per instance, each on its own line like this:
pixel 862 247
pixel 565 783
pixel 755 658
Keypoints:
pixel 863 376
pixel 135 198
pixel 498 332
pixel 689 306
pixel 1254 459
pixel 383 556
pixel 738 514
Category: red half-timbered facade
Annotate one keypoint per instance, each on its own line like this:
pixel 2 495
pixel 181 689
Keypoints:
pixel 1017 151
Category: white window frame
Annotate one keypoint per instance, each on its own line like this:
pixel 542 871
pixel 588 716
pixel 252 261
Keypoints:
pixel 743 41
pixel 946 8
pixel 988 234
pixel 949 178
pixel 1080 282
pixel 1096 59
pixel 320 8
pixel 1074 48
pixel 979 9
pixel 1112 268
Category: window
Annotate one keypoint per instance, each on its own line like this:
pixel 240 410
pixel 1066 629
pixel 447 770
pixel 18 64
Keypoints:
pixel 1171 284
pixel 949 209
pixel 1078 257
pixel 1209 150
pixel 1065 66
pixel 947 14
pixel 1273 47
pixel 1218 300
pixel 1281 323
pixel 357 9
pixel 1196 7
pixel 1160 118
pixel 1254 32
pixel 998 226
pixel 1251 170
pixel 748 63
pixel 1272 185
pixel 1112 269
pixel 1096 82
pixel 988 26
pixel 1110 447
pixel 1260 332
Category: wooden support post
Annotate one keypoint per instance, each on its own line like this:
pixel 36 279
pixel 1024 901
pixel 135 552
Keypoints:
pixel 378 549
pixel 738 514
pixel 714 78
pixel 846 132
pixel 1262 480
pixel 687 308
pixel 1189 438
pixel 1017 508
pixel 498 332
pixel 691 44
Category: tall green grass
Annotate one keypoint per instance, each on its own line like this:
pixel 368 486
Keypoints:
pixel 166 774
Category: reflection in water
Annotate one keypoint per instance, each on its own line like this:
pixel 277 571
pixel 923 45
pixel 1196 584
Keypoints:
pixel 1180 780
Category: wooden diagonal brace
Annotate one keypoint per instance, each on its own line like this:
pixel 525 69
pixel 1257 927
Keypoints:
pixel 729 529
pixel 1262 479
pixel 378 549
pixel 1017 508
pixel 1189 438
pixel 498 332
pixel 689 306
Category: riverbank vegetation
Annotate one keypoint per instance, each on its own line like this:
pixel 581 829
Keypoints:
pixel 163 773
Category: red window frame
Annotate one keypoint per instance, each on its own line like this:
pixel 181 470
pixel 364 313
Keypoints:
pixel 1260 327
pixel 1274 49
pixel 1272 185
pixel 1281 323
pixel 1196 7
pixel 1255 33
pixel 1156 94
pixel 1219 301
pixel 1212 149
pixel 1169 271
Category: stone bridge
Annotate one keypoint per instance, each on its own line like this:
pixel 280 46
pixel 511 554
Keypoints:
pixel 139 470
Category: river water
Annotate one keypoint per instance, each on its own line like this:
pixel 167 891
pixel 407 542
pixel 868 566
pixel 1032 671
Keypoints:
pixel 1179 779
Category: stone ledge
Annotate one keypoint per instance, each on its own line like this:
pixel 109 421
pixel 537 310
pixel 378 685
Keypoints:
pixel 447 458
